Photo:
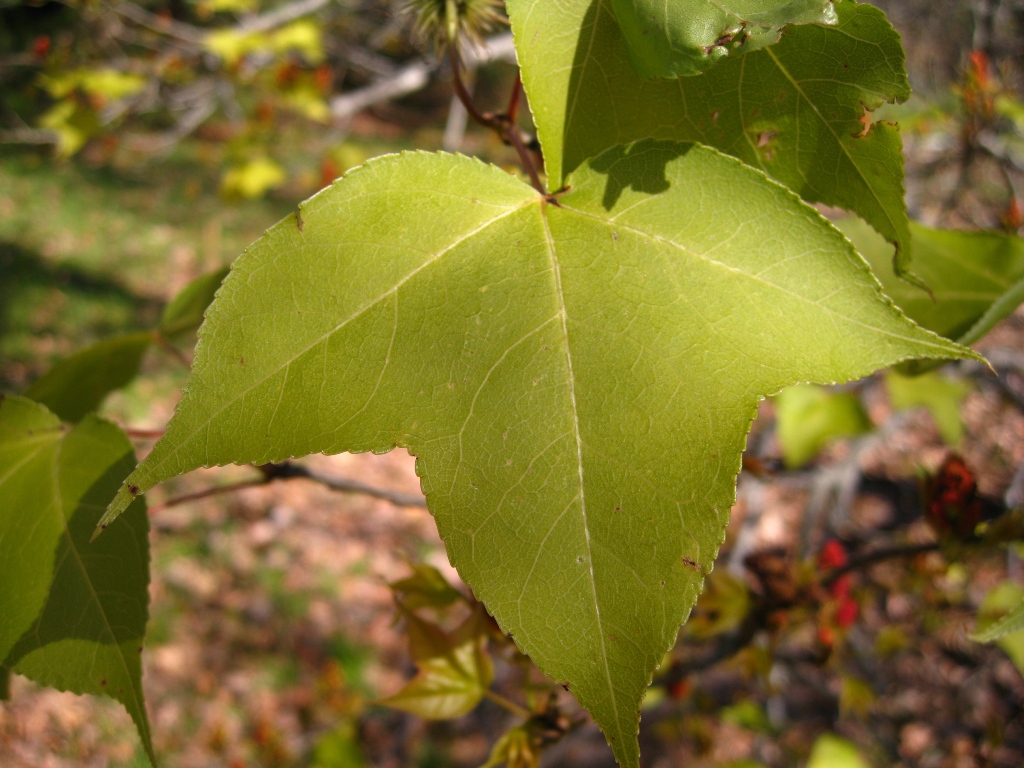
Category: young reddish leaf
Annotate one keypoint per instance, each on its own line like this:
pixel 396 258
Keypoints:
pixel 454 670
pixel 426 588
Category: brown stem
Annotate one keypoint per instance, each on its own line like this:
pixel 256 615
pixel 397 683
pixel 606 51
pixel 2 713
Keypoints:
pixel 487 121
pixel 508 704
pixel 878 556
pixel 289 471
pixel 512 134
pixel 143 434
pixel 161 341
pixel 503 125
pixel 513 101
pixel 206 494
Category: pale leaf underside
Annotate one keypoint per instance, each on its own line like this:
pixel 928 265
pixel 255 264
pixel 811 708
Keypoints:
pixel 576 380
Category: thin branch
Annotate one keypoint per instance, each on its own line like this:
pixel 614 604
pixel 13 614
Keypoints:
pixel 488 120
pixel 290 471
pixel 196 36
pixel 28 136
pixel 512 134
pixel 500 124
pixel 143 434
pixel 877 556
pixel 416 76
pixel 508 704
pixel 279 16
pixel 512 113
pixel 161 341
pixel 177 500
pixel 184 32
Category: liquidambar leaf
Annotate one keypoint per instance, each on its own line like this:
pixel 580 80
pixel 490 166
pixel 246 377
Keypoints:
pixel 809 417
pixel 576 380
pixel 184 313
pixel 794 110
pixel 79 384
pixel 940 395
pixel 74 613
pixel 454 670
pixel 425 588
pixel 1011 622
pixel 685 37
pixel 976 278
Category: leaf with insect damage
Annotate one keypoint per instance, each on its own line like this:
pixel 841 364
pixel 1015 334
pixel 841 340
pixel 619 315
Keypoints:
pixel 686 37
pixel 576 378
pixel 798 110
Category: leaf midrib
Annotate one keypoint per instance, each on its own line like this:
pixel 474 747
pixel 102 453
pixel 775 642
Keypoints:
pixel 560 295
pixel 814 107
pixel 58 496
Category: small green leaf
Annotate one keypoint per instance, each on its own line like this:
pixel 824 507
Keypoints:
pixel 830 751
pixel 940 395
pixel 794 110
pixel 79 384
pixel 454 670
pixel 808 417
pixel 721 607
pixel 686 37
pixel 856 697
pixel 999 619
pixel 184 313
pixel 1011 622
pixel 426 588
pixel 515 749
pixel 976 278
pixel 74 612
pixel 576 380
pixel 747 714
pixel 339 748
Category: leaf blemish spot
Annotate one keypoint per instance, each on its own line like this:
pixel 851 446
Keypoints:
pixel 690 562
pixel 298 219
pixel 133 490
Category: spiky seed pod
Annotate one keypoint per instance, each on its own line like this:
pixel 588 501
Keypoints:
pixel 452 22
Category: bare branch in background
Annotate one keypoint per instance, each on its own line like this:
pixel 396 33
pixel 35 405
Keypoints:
pixel 197 35
pixel 288 470
pixel 279 16
pixel 416 76
pixel 27 136
pixel 184 32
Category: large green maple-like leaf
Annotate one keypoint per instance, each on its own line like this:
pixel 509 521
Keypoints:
pixel 793 110
pixel 685 37
pixel 74 613
pixel 575 379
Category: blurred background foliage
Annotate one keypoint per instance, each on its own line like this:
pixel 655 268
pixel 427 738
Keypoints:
pixel 143 145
